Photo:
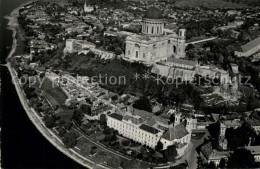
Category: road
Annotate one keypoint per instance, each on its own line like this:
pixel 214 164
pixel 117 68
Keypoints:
pixel 200 41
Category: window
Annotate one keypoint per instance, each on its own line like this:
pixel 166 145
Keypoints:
pixel 174 49
pixel 136 54
pixel 143 55
pixel 128 52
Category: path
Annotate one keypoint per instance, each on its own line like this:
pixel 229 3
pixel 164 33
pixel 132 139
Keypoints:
pixel 200 41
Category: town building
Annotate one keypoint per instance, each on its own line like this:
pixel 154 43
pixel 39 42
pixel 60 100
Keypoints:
pixel 79 46
pixel 255 151
pixel 148 129
pixel 224 125
pixel 208 154
pixel 88 8
pixel 249 48
pixel 153 44
pixel 254 123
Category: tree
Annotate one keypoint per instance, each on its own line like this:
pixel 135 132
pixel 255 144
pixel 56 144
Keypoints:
pixel 241 158
pixel 214 130
pixel 159 146
pixel 239 137
pixel 211 165
pixel 222 163
pixel 171 153
pixel 68 125
pixel 86 109
pixel 61 131
pixel 114 162
pixel 118 51
pixel 130 164
pixel 78 116
pixel 103 119
pixel 49 121
pixel 143 103
pixel 70 139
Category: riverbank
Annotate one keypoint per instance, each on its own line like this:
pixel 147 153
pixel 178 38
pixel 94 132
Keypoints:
pixel 36 120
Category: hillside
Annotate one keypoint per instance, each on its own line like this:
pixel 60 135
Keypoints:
pixel 209 3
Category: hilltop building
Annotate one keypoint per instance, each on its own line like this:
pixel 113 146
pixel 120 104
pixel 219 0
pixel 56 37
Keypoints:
pixel 153 44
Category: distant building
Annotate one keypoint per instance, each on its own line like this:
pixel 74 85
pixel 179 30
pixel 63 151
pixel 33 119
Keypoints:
pixel 255 151
pixel 148 129
pixel 249 48
pixel 79 46
pixel 88 8
pixel 208 154
pixel 254 123
pixel 153 45
pixel 228 124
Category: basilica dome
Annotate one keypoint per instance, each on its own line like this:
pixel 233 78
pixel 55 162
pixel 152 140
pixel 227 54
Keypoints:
pixel 153 13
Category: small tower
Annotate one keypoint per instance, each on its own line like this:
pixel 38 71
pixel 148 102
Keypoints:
pixel 190 123
pixel 181 43
pixel 177 118
pixel 182 33
pixel 85 6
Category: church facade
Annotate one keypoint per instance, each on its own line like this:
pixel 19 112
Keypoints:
pixel 154 44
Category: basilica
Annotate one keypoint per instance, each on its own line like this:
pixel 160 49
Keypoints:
pixel 154 44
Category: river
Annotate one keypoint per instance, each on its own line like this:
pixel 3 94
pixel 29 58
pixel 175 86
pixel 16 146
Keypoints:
pixel 22 144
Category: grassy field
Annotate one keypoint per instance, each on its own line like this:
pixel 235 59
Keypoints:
pixel 55 92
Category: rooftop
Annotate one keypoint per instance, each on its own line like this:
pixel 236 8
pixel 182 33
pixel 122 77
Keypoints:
pixel 116 116
pixel 231 123
pixel 251 45
pixel 253 122
pixel 176 132
pixel 211 154
pixel 254 149
pixel 149 129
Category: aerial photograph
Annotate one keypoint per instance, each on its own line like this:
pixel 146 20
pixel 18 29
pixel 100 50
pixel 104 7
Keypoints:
pixel 130 84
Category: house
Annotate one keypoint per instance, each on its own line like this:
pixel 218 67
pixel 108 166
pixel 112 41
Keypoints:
pixel 228 124
pixel 208 154
pixel 255 151
pixel 249 48
pixel 148 129
pixel 254 123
